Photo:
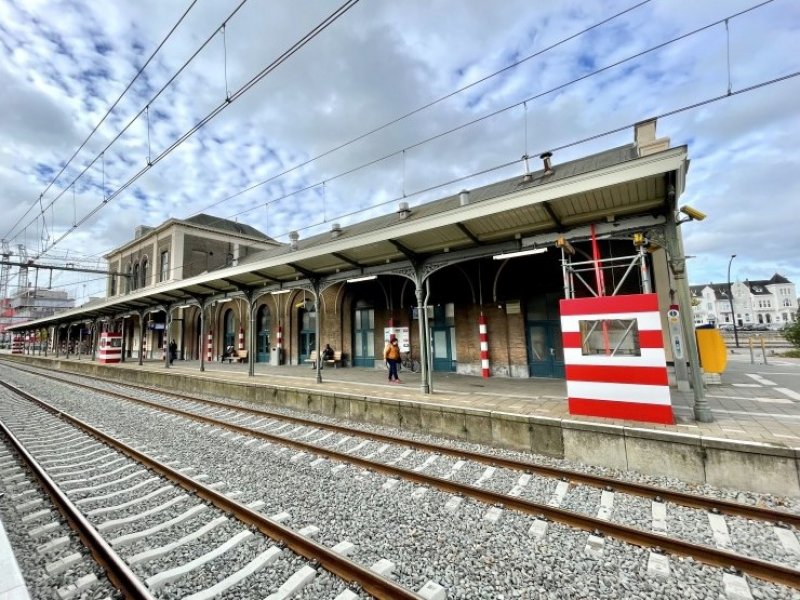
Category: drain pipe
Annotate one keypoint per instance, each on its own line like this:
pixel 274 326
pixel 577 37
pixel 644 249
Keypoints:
pixel 428 353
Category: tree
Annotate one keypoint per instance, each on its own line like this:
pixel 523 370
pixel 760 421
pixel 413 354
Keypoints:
pixel 792 332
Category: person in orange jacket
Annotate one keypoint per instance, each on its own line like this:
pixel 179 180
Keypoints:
pixel 392 356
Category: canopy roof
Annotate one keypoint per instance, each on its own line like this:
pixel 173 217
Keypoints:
pixel 504 216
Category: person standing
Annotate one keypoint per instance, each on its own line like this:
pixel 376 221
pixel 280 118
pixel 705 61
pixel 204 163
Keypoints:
pixel 173 351
pixel 392 356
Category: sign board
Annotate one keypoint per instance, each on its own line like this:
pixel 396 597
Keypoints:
pixel 674 323
pixel 403 340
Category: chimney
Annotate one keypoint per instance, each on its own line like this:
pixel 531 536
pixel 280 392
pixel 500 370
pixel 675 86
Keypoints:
pixel 548 168
pixel 293 237
pixel 528 177
pixel 463 198
pixel 644 136
pixel 336 230
pixel 403 210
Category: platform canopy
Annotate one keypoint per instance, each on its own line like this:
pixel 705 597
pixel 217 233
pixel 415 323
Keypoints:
pixel 615 188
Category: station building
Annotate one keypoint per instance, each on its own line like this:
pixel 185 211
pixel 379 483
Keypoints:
pixel 496 259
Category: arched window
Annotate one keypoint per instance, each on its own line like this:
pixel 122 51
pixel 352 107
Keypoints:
pixel 128 284
pixel 144 272
pixel 135 278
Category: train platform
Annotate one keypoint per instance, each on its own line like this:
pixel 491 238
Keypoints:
pixel 753 442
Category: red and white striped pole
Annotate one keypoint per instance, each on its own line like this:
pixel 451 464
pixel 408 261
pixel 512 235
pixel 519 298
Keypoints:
pixel 164 349
pixel 279 345
pixel 144 346
pixel 484 346
pixel 241 338
pixel 208 347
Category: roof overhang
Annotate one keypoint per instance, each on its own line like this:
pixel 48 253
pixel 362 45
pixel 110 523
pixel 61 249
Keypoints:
pixel 624 190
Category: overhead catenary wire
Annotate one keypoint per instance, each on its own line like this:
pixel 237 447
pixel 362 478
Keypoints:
pixel 324 24
pixel 583 140
pixel 139 114
pixel 481 118
pixel 374 130
pixel 108 112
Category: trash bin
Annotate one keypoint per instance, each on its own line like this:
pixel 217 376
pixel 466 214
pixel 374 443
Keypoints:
pixel 712 350
pixel 275 357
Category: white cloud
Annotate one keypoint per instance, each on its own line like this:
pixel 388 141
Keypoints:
pixel 64 63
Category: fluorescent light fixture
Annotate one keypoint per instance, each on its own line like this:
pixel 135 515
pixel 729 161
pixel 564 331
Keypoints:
pixel 276 292
pixel 183 306
pixel 365 278
pixel 520 253
pixel 223 300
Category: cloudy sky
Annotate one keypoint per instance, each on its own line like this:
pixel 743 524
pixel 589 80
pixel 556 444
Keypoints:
pixel 64 63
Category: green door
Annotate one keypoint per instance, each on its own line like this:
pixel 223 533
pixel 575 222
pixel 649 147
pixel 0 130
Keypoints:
pixel 363 337
pixel 545 349
pixel 543 336
pixel 307 341
pixel 441 349
pixel 263 323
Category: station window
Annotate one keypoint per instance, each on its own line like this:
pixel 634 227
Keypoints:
pixel 164 266
pixel 614 337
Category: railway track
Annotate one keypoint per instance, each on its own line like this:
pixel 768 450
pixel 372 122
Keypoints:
pixel 110 493
pixel 346 445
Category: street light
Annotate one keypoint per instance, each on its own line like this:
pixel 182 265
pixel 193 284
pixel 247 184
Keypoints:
pixel 730 300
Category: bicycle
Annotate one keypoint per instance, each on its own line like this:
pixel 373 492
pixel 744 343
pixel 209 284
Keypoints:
pixel 406 362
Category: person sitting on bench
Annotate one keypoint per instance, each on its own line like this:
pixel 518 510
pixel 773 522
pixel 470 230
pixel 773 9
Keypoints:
pixel 327 353
pixel 229 353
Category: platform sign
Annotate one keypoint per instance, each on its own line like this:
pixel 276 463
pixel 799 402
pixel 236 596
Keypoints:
pixel 403 340
pixel 675 336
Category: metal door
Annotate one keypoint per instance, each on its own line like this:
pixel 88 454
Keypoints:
pixel 440 349
pixel 307 341
pixel 263 323
pixel 364 337
pixel 545 349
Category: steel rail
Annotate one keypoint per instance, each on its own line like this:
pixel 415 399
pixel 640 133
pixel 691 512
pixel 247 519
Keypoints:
pixel 755 567
pixel 351 572
pixel 116 569
pixel 638 489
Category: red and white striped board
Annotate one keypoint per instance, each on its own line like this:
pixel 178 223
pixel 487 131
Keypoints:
pixel 109 347
pixel 208 347
pixel 17 345
pixel 279 345
pixel 241 338
pixel 602 384
pixel 485 372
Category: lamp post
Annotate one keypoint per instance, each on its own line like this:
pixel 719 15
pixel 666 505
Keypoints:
pixel 730 299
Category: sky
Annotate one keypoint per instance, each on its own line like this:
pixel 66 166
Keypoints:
pixel 65 63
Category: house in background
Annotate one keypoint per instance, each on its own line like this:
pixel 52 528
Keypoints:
pixel 769 304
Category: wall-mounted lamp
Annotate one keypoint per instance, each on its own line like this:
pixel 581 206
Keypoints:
pixel 365 278
pixel 520 253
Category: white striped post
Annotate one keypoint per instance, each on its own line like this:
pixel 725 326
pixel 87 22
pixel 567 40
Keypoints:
pixel 484 346
pixel 144 346
pixel 208 347
pixel 279 345
pixel 241 338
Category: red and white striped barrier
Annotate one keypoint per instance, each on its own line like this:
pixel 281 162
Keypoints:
pixel 109 347
pixel 208 347
pixel 17 345
pixel 608 375
pixel 484 346
pixel 241 338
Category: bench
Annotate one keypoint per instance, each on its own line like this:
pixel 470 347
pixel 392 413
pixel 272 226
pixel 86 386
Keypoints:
pixel 336 361
pixel 238 356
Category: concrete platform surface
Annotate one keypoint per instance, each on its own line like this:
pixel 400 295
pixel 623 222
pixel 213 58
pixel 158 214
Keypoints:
pixel 753 442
